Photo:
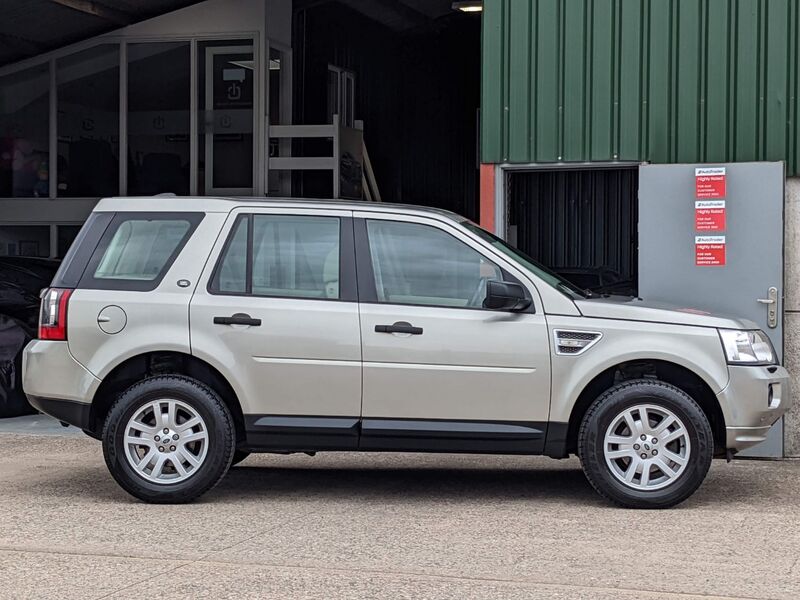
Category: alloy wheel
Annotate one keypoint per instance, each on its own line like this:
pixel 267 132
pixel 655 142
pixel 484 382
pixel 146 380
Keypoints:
pixel 166 441
pixel 647 447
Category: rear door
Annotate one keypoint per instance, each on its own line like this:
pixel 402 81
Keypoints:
pixel 711 237
pixel 276 314
pixel 440 371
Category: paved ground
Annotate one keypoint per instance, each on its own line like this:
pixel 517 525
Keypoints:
pixel 388 526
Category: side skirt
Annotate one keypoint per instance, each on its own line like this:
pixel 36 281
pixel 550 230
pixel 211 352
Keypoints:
pixel 272 433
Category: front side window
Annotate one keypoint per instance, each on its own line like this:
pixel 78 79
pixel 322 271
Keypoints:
pixel 282 256
pixel 420 264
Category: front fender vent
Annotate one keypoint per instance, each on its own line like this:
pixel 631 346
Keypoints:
pixel 570 342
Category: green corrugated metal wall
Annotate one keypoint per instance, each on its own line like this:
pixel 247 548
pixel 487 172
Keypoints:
pixel 652 80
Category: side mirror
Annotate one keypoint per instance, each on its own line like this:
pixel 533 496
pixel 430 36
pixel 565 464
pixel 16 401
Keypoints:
pixel 505 295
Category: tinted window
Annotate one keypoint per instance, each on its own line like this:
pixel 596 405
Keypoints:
pixel 24 129
pixel 291 256
pixel 419 264
pixel 140 249
pixel 88 122
pixel 136 250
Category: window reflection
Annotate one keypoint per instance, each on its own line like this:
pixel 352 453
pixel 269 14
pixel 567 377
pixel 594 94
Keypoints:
pixel 24 143
pixel 88 123
pixel 158 118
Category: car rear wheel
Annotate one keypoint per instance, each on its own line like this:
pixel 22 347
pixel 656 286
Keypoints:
pixel 645 444
pixel 168 439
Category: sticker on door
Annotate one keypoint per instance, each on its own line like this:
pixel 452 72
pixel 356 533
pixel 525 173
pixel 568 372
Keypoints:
pixel 709 250
pixel 709 215
pixel 709 182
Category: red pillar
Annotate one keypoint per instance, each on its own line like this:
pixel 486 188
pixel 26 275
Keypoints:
pixel 486 219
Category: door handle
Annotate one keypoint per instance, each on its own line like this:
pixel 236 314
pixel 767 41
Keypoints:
pixel 237 319
pixel 771 301
pixel 399 327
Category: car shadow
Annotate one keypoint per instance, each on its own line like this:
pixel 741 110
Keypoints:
pixel 389 484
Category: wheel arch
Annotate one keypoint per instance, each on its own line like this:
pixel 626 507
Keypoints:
pixel 680 376
pixel 136 368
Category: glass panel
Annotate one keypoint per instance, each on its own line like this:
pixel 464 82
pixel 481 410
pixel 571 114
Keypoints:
pixel 419 264
pixel 25 240
pixel 227 77
pixel 158 118
pixel 140 249
pixel 296 256
pixel 231 276
pixel 66 235
pixel 88 123
pixel 24 144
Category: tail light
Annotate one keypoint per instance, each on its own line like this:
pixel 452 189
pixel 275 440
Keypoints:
pixel 53 318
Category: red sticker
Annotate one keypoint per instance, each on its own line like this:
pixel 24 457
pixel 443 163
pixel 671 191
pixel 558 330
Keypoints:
pixel 709 182
pixel 709 215
pixel 709 250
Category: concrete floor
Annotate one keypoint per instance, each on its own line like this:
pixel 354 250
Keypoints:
pixel 388 526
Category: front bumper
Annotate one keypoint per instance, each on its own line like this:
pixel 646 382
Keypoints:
pixel 56 383
pixel 754 399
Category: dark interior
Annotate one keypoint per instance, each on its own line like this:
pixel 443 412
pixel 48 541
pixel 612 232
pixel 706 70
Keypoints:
pixel 417 90
pixel 580 223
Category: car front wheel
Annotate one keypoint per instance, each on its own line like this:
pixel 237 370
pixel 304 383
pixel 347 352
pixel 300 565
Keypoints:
pixel 168 439
pixel 645 444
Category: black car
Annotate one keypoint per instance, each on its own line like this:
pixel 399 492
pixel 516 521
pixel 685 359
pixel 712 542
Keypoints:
pixel 21 281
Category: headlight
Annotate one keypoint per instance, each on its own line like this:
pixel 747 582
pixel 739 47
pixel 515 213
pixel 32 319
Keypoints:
pixel 747 347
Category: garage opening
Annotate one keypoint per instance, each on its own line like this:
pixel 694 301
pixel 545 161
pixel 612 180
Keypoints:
pixel 581 223
pixel 408 74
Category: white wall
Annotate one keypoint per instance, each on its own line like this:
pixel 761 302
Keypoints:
pixel 791 305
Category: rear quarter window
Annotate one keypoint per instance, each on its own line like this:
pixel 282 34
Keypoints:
pixel 137 249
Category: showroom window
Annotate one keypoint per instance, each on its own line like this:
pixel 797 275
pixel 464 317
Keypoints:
pixel 25 240
pixel 226 95
pixel 24 135
pixel 88 123
pixel 158 118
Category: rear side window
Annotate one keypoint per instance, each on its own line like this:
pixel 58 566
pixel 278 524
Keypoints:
pixel 283 256
pixel 137 250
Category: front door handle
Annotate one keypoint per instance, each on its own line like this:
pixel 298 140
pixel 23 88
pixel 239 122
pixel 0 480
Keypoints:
pixel 399 327
pixel 237 319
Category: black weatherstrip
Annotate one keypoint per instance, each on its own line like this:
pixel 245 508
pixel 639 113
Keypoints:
pixel 366 276
pixel 300 433
pixel 290 433
pixel 434 435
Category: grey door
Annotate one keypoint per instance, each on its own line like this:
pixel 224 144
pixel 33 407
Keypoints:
pixel 692 254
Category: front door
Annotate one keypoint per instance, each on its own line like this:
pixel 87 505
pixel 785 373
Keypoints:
pixel 440 371
pixel 277 315
pixel 711 237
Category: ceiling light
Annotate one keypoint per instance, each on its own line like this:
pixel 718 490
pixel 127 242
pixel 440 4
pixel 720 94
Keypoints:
pixel 468 5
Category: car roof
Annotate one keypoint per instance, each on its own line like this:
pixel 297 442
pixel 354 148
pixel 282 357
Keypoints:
pixel 172 203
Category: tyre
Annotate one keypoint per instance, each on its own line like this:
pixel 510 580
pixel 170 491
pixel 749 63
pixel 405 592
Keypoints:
pixel 645 444
pixel 168 439
pixel 239 456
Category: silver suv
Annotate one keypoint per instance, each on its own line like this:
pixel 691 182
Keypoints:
pixel 187 333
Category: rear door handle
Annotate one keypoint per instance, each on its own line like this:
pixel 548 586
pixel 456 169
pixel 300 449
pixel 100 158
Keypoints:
pixel 399 327
pixel 237 319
